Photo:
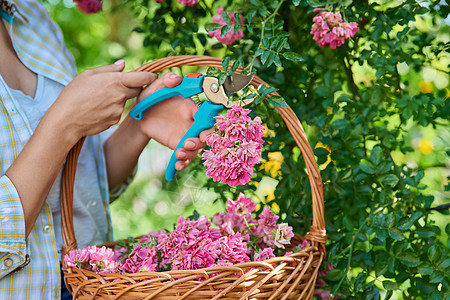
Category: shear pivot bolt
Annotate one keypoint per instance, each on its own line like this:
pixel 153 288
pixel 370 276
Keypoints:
pixel 214 87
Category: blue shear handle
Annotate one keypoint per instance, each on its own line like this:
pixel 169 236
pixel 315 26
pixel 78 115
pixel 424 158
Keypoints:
pixel 204 119
pixel 187 88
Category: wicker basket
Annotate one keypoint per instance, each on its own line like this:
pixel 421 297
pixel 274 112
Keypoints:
pixel 287 277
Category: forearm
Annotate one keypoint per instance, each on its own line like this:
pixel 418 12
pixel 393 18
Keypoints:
pixel 122 150
pixel 36 167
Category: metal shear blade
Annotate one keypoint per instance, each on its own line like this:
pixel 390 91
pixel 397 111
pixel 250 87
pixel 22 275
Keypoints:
pixel 235 83
pixel 218 94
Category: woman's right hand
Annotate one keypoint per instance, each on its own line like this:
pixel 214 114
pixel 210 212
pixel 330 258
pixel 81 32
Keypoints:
pixel 95 99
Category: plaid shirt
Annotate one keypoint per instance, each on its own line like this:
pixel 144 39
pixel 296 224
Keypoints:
pixel 29 268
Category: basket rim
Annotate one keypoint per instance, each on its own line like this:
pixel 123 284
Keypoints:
pixel 317 233
pixel 264 263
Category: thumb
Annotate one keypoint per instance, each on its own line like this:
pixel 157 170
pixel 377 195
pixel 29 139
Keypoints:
pixel 118 66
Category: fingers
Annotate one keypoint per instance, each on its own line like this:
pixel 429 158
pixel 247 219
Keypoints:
pixel 168 80
pixel 192 148
pixel 115 67
pixel 180 165
pixel 137 79
pixel 205 133
pixel 183 154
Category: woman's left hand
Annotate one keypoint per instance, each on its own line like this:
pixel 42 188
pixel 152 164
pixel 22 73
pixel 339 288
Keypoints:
pixel 168 121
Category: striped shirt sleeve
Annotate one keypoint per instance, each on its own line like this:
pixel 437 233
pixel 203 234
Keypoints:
pixel 13 247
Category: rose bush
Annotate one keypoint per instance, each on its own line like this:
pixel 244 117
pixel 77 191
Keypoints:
pixel 375 109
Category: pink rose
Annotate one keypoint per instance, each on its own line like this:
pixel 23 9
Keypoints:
pixel 89 6
pixel 231 36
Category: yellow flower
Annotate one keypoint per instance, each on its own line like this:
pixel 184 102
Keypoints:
pixel 275 208
pixel 268 132
pixel 425 146
pixel 273 164
pixel 327 147
pixel 426 87
pixel 253 182
pixel 270 197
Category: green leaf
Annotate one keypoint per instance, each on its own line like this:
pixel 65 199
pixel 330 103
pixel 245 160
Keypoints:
pixel 396 234
pixel 269 90
pixel 436 277
pixel 425 232
pixel 225 29
pixel 334 274
pixel 419 175
pixel 221 78
pixel 323 91
pixel 277 61
pixel 424 285
pixel 259 52
pixel 405 223
pixel 277 101
pixel 281 44
pixel 391 285
pixel 360 279
pixel 445 264
pixel 381 234
pixel 212 26
pixel 438 295
pixel 235 66
pixel 270 59
pixel 421 10
pixel 366 166
pixel 264 56
pixel 226 18
pixel 434 253
pixel 226 63
pixel 237 17
pixel 340 124
pixel 315 3
pixel 390 180
pixel 425 270
pixel 292 56
pixel 376 155
pixel 409 259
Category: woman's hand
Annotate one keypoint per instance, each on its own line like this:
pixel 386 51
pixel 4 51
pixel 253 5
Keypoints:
pixel 95 99
pixel 168 121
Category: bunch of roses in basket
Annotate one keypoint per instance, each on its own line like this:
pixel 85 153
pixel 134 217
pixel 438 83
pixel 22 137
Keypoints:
pixel 194 244
pixel 235 147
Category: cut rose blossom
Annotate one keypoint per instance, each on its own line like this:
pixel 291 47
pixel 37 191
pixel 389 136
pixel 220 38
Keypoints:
pixel 194 244
pixel 188 2
pixel 231 36
pixel 141 259
pixel 89 6
pixel 329 29
pixel 99 260
pixel 265 254
pixel 235 147
pixel 283 235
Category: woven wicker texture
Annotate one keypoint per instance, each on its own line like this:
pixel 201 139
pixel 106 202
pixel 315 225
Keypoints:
pixel 287 277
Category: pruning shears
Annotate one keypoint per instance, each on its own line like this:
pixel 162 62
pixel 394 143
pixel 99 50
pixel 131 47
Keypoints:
pixel 193 84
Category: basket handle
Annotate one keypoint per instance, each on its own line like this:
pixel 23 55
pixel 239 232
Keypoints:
pixel 317 231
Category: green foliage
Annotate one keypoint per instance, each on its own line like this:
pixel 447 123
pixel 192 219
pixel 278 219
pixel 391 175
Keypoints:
pixel 362 108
